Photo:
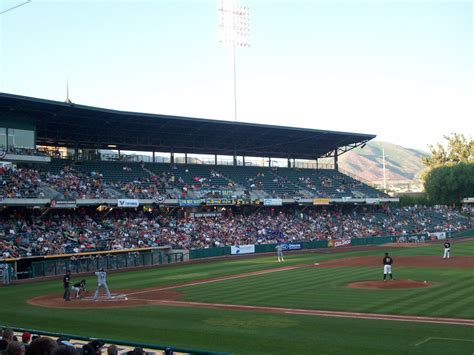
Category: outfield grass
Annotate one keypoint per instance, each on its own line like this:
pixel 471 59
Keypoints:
pixel 260 333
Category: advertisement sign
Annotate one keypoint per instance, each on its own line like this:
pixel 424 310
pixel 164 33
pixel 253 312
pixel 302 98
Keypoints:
pixel 189 202
pixel 63 204
pixel 273 202
pixel 321 201
pixel 216 192
pixel 125 203
pixel 205 214
pixel 291 246
pixel 242 249
pixel 335 243
pixel 437 235
pixel 372 201
pixel 221 201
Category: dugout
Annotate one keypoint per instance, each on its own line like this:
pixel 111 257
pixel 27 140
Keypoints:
pixel 53 265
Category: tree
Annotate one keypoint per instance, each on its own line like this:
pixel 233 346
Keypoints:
pixel 449 184
pixel 456 150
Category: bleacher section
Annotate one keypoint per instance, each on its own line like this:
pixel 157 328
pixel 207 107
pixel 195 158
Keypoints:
pixel 117 179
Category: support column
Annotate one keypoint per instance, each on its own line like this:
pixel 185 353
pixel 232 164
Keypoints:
pixel 243 160
pixel 215 159
pixel 172 158
pixel 154 161
pixel 186 158
pixel 336 164
pixel 269 162
pixel 289 162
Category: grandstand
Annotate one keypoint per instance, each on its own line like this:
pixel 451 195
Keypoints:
pixel 62 195
pixel 81 132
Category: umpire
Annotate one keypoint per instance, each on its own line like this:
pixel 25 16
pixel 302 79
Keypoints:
pixel 67 285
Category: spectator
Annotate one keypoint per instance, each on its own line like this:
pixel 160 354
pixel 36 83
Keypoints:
pixel 25 339
pixel 41 346
pixel 15 348
pixel 112 350
pixel 7 338
pixel 64 350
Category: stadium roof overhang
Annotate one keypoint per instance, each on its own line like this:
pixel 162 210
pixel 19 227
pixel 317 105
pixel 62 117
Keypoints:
pixel 71 125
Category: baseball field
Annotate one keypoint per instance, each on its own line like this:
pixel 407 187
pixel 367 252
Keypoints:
pixel 319 302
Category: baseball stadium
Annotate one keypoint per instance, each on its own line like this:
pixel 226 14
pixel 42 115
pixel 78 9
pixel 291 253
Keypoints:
pixel 163 234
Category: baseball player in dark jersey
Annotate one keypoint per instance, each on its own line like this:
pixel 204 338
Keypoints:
pixel 67 285
pixel 387 267
pixel 447 250
pixel 79 288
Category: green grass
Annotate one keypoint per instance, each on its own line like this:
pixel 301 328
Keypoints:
pixel 261 333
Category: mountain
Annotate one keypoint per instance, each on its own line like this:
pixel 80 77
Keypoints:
pixel 403 165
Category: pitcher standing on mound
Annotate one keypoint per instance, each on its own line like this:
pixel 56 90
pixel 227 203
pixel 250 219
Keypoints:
pixel 387 267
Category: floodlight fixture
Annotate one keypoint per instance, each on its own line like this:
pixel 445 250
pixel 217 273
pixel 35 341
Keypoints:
pixel 233 31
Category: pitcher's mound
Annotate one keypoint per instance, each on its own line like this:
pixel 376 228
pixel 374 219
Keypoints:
pixel 389 284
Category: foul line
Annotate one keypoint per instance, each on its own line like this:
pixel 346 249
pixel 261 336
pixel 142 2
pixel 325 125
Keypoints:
pixel 223 278
pixel 309 312
pixel 432 338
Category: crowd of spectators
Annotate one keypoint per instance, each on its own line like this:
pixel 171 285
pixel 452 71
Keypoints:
pixel 23 151
pixel 73 184
pixel 30 344
pixel 88 230
pixel 19 183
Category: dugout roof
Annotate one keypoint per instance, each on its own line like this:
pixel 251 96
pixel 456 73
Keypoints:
pixel 72 125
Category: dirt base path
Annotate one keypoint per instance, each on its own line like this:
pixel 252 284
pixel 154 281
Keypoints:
pixel 389 284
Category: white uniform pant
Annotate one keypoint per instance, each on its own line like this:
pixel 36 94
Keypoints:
pixel 96 296
pixel 387 269
pixel 447 253
pixel 76 290
pixel 280 255
pixel 5 276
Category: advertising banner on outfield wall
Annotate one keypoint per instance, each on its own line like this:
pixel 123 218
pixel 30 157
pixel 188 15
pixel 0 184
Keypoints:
pixel 242 249
pixel 291 246
pixel 126 203
pixel 437 235
pixel 334 243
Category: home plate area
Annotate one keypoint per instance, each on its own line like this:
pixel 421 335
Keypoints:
pixel 104 298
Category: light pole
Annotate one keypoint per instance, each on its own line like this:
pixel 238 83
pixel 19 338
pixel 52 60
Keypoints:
pixel 384 175
pixel 233 31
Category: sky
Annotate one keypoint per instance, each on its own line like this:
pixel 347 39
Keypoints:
pixel 400 69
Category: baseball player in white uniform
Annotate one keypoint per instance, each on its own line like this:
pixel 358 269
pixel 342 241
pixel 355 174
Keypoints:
pixel 5 268
pixel 279 249
pixel 101 282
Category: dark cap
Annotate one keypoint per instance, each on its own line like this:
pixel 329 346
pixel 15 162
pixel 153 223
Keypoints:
pixel 97 344
pixel 88 350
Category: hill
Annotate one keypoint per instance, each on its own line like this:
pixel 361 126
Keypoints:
pixel 403 165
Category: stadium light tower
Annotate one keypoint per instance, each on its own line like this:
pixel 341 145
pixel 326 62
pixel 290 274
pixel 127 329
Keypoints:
pixel 233 31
